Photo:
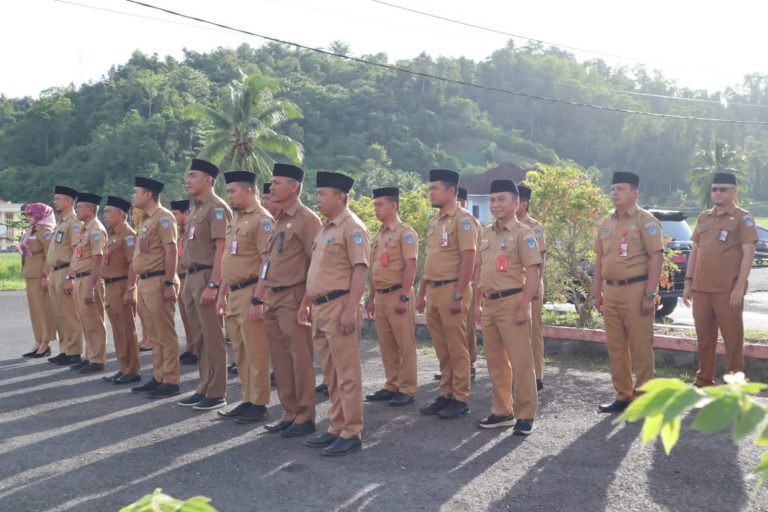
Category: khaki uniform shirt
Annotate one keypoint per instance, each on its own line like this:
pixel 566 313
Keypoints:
pixel 448 235
pixel 290 247
pixel 538 230
pixel 628 243
pixel 119 253
pixel 33 262
pixel 340 244
pixel 65 238
pixel 718 252
pixel 504 254
pixel 394 244
pixel 207 222
pixel 247 244
pixel 181 238
pixel 92 241
pixel 158 229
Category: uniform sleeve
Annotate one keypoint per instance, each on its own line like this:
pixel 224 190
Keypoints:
pixel 45 236
pixel 129 246
pixel 76 230
pixel 466 234
pixel 409 242
pixel 528 248
pixel 653 238
pixel 538 231
pixel 219 217
pixel 263 232
pixel 747 230
pixel 166 229
pixel 96 241
pixel 695 236
pixel 310 227
pixel 358 246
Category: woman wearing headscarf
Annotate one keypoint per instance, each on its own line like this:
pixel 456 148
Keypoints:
pixel 33 248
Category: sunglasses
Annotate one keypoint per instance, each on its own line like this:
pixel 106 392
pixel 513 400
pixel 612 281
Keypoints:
pixel 721 189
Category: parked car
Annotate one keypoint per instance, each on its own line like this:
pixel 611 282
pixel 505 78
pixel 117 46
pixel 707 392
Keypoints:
pixel 761 249
pixel 674 226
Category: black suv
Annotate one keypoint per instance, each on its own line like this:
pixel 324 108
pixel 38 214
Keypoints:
pixel 674 226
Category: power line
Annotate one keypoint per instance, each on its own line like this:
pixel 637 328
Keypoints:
pixel 445 79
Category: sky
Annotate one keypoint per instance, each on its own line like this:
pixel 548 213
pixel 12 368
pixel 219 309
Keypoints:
pixel 50 43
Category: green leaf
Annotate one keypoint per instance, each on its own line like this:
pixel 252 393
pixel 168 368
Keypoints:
pixel 659 384
pixel 753 388
pixel 748 420
pixel 670 433
pixel 648 404
pixel 651 428
pixel 762 439
pixel 681 402
pixel 717 415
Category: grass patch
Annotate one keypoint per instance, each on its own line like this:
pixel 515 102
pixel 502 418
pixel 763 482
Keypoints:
pixel 598 363
pixel 570 319
pixel 10 272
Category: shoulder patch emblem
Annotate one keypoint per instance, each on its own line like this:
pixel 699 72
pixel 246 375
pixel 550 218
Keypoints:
pixel 96 236
pixel 130 240
pixel 219 212
pixel 531 243
pixel 165 223
pixel 467 225
pixel 538 232
pixel 651 229
pixel 409 238
pixel 47 235
pixel 359 239
pixel 267 226
pixel 749 221
pixel 75 228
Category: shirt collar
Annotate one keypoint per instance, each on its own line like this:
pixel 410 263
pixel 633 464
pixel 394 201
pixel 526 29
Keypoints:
pixel 339 218
pixel 204 198
pixel 731 210
pixel 630 212
pixel 508 226
pixel 150 211
pixel 451 212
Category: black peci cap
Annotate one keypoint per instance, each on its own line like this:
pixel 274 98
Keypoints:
pixel 504 186
pixel 182 205
pixel 118 203
pixel 204 166
pixel 444 175
pixel 524 192
pixel 626 177
pixel 85 197
pixel 386 192
pixel 65 191
pixel 240 176
pixel 725 178
pixel 334 180
pixel 149 184
pixel 289 171
pixel 462 193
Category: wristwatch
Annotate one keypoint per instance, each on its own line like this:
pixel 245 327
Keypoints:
pixel 131 288
pixel 168 282
pixel 256 301
pixel 650 295
pixel 457 296
pixel 212 285
pixel 405 298
pixel 68 277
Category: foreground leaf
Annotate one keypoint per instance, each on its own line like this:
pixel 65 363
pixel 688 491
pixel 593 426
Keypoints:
pixel 670 433
pixel 717 415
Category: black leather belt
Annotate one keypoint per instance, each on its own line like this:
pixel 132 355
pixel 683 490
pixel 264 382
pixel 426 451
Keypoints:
pixel 276 289
pixel 502 294
pixel 328 298
pixel 152 274
pixel 182 275
pixel 82 274
pixel 110 280
pixel 622 282
pixel 441 283
pixel 198 268
pixel 59 267
pixel 390 289
pixel 243 284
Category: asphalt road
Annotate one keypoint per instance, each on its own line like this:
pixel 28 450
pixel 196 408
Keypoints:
pixel 73 443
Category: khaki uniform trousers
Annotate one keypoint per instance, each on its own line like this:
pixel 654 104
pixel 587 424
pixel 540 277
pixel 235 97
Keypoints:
pixel 92 319
pixel 209 339
pixel 290 346
pixel 710 312
pixel 449 337
pixel 122 318
pixel 65 313
pixel 339 357
pixel 159 321
pixel 510 358
pixel 471 331
pixel 397 342
pixel 40 312
pixel 188 337
pixel 537 332
pixel 249 341
pixel 629 336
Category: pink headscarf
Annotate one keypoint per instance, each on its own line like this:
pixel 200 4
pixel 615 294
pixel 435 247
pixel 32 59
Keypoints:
pixel 39 214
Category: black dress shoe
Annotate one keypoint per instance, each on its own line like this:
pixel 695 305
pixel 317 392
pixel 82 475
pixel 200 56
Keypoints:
pixel 321 388
pixel 164 390
pixel 299 429
pixel 400 399
pixel 145 349
pixel 70 360
pixel 539 384
pixel 113 377
pixel 232 369
pixel 254 414
pixel 128 378
pixel 435 407
pixel 272 381
pixel 237 411
pixel 191 359
pixel 615 406
pixel 191 400
pixel 55 359
pixel 437 376
pixel 276 428
pixel 79 364
pixel 382 395
pixel 209 404
pixel 92 368
pixel 30 353
pixel 149 386
pixel 454 409
pixel 184 355
pixel 322 441
pixel 342 446
pixel 38 355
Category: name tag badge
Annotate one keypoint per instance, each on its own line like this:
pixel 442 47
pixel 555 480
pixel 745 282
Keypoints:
pixel 191 233
pixel 233 247
pixel 444 237
pixel 180 251
pixel 106 257
pixel 385 259
pixel 78 252
pixel 723 235
pixel 264 269
pixel 624 249
pixel 59 237
pixel 501 263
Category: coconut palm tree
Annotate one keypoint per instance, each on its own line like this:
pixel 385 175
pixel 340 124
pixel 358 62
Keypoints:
pixel 709 162
pixel 246 128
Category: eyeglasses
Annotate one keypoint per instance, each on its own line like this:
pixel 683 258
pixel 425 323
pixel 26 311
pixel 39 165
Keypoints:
pixel 721 189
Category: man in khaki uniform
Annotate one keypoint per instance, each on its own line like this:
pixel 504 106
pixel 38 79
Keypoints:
pixel 629 251
pixel 537 306
pixel 284 276
pixel 65 237
pixel 391 300
pixel 246 245
pixel 115 263
pixel 507 277
pixel 335 284
pixel 85 285
pixel 716 280
pixel 203 252
pixel 445 293
pixel 180 210
pixel 154 264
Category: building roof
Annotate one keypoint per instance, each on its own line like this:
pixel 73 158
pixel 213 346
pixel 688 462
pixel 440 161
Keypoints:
pixel 481 183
